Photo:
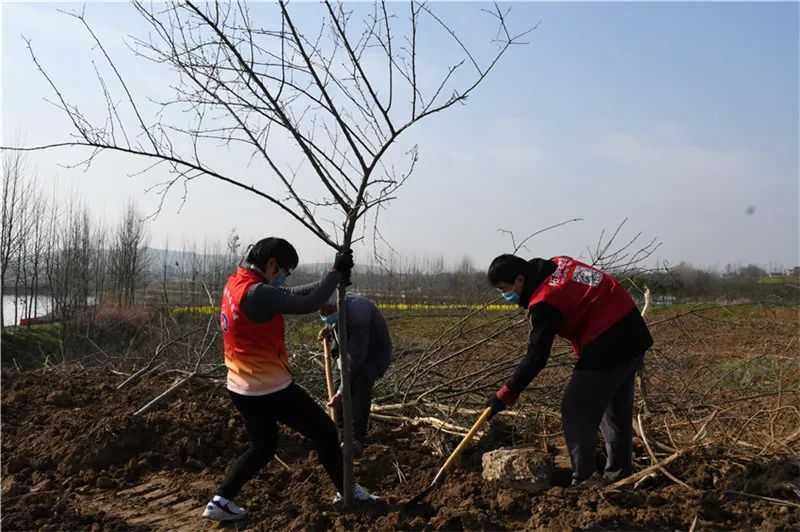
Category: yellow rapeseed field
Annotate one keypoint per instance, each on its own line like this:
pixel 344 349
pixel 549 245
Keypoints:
pixel 207 310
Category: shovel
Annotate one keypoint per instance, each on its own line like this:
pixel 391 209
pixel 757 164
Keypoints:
pixel 439 478
pixel 328 375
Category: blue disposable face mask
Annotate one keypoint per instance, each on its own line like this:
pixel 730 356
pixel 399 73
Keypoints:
pixel 330 319
pixel 511 296
pixel 278 281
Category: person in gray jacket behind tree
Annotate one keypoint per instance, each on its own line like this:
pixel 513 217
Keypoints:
pixel 369 349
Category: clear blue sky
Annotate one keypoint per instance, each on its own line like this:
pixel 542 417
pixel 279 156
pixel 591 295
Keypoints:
pixel 677 116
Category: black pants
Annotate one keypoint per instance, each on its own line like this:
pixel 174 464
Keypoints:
pixel 361 394
pixel 294 408
pixel 600 398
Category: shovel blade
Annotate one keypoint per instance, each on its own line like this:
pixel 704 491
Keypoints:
pixel 435 484
pixel 413 502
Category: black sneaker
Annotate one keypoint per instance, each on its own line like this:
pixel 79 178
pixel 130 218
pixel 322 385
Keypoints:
pixel 592 482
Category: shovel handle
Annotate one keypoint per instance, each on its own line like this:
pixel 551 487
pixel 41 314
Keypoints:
pixel 328 374
pixel 454 456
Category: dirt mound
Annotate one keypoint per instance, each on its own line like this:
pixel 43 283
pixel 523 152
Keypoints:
pixel 75 457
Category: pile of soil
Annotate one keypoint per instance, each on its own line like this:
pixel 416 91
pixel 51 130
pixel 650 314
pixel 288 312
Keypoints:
pixel 75 457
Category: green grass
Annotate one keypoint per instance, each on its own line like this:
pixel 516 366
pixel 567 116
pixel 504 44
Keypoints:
pixel 413 324
pixel 306 333
pixel 23 342
pixel 746 371
pixel 741 310
pixel 785 279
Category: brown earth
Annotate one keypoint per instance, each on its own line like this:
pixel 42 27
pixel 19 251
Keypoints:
pixel 75 458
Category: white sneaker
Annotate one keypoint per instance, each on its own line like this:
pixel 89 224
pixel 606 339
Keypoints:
pixel 227 511
pixel 360 495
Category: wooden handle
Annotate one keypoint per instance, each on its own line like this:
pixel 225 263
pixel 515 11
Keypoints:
pixel 463 444
pixel 328 375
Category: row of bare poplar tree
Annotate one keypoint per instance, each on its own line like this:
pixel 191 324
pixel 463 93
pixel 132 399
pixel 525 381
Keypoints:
pixel 57 258
pixel 54 255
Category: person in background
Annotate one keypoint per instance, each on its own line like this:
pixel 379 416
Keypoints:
pixel 593 311
pixel 369 348
pixel 259 381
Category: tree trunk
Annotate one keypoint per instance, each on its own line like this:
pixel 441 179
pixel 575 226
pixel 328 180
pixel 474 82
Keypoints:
pixel 16 293
pixel 347 406
pixel 344 358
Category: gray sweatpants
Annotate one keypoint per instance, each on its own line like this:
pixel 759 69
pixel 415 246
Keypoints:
pixel 600 398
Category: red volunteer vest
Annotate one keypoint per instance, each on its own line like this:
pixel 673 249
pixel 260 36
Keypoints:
pixel 590 301
pixel 255 353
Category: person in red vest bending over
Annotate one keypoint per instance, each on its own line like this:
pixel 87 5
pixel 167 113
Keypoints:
pixel 259 380
pixel 609 337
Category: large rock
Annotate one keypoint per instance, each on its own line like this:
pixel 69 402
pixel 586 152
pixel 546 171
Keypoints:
pixel 530 470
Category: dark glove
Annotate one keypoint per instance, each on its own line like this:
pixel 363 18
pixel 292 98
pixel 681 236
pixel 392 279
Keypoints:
pixel 495 404
pixel 343 263
pixel 500 400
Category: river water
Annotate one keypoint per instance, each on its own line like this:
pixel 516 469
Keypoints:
pixel 44 305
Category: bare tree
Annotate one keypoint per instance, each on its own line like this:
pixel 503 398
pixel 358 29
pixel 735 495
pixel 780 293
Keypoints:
pixel 24 211
pixel 316 110
pixel 69 260
pixel 16 199
pixel 101 264
pixel 128 259
pixel 36 248
pixel 624 259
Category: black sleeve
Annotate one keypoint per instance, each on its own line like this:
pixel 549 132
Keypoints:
pixel 359 314
pixel 303 289
pixel 263 301
pixel 545 320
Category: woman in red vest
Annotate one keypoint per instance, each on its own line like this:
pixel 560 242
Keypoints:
pixel 609 338
pixel 259 381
